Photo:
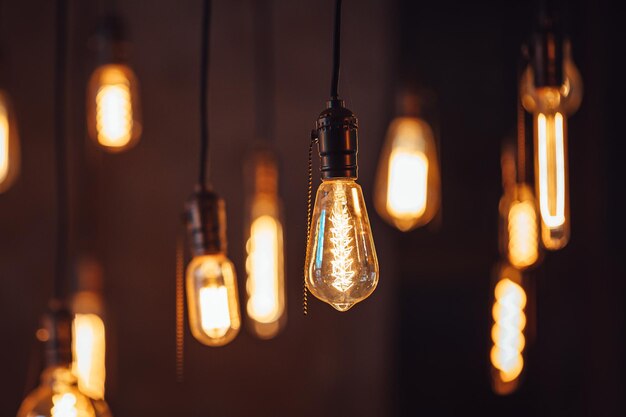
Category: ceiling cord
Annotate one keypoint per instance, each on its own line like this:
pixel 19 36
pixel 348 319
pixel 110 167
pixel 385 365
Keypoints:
pixel 336 51
pixel 204 94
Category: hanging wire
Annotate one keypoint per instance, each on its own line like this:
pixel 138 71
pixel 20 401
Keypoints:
pixel 204 94
pixel 264 69
pixel 60 100
pixel 180 312
pixel 521 142
pixel 336 52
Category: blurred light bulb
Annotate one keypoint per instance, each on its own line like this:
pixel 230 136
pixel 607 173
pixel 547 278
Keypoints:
pixel 113 104
pixel 88 348
pixel 9 144
pixel 550 105
pixel 407 184
pixel 212 299
pixel 507 333
pixel 57 396
pixel 342 265
pixel 265 262
pixel 520 228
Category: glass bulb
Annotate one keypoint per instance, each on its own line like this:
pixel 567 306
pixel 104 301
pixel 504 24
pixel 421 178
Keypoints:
pixel 114 118
pixel 9 144
pixel 265 283
pixel 550 107
pixel 57 396
pixel 519 227
pixel 212 299
pixel 407 183
pixel 507 332
pixel 342 265
pixel 88 350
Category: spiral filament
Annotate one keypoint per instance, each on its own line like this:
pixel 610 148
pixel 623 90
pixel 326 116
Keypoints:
pixel 341 231
pixel 114 114
pixel 522 227
pixel 507 331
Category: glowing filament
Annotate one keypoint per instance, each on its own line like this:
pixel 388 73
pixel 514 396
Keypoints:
pixel 89 354
pixel 522 245
pixel 64 405
pixel 264 304
pixel 114 115
pixel 407 184
pixel 214 312
pixel 551 168
pixel 342 244
pixel 507 331
pixel 4 143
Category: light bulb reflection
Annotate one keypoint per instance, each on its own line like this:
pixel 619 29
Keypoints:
pixel 507 331
pixel 89 348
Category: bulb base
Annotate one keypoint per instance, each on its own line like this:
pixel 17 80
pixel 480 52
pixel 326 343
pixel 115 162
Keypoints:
pixel 57 327
pixel 111 40
pixel 206 223
pixel 336 129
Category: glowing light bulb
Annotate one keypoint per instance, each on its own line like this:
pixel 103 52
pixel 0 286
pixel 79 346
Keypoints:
pixel 521 227
pixel 89 347
pixel 114 117
pixel 265 261
pixel 507 332
pixel 550 105
pixel 212 299
pixel 407 184
pixel 57 396
pixel 342 264
pixel 9 144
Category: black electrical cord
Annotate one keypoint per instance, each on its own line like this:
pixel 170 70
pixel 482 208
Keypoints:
pixel 204 94
pixel 336 52
pixel 264 69
pixel 60 92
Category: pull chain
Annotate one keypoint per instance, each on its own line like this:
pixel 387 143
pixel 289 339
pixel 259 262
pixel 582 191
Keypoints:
pixel 305 290
pixel 180 312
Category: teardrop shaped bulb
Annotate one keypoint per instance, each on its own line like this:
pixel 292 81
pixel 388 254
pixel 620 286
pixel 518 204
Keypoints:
pixel 342 265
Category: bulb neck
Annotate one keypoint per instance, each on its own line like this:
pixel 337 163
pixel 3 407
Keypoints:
pixel 206 223
pixel 111 40
pixel 336 130
pixel 57 324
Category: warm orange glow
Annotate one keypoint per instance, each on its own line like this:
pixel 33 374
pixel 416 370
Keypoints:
pixel 507 331
pixel 212 299
pixel 407 184
pixel 265 303
pixel 89 348
pixel 4 143
pixel 9 145
pixel 523 242
pixel 114 119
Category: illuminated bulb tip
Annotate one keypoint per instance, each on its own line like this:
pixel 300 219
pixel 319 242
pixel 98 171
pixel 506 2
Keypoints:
pixel 342 306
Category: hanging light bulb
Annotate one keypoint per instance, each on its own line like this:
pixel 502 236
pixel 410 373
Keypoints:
pixel 9 144
pixel 341 267
pixel 58 394
pixel 551 89
pixel 212 299
pixel 89 336
pixel 113 109
pixel 519 223
pixel 265 261
pixel 507 332
pixel 407 193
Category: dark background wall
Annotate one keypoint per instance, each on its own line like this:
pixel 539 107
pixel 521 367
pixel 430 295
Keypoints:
pixel 420 345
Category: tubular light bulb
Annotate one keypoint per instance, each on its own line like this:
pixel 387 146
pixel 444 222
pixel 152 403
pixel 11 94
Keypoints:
pixel 88 349
pixel 550 106
pixel 9 144
pixel 342 265
pixel 57 396
pixel 407 185
pixel 507 333
pixel 521 227
pixel 265 261
pixel 212 299
pixel 113 103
